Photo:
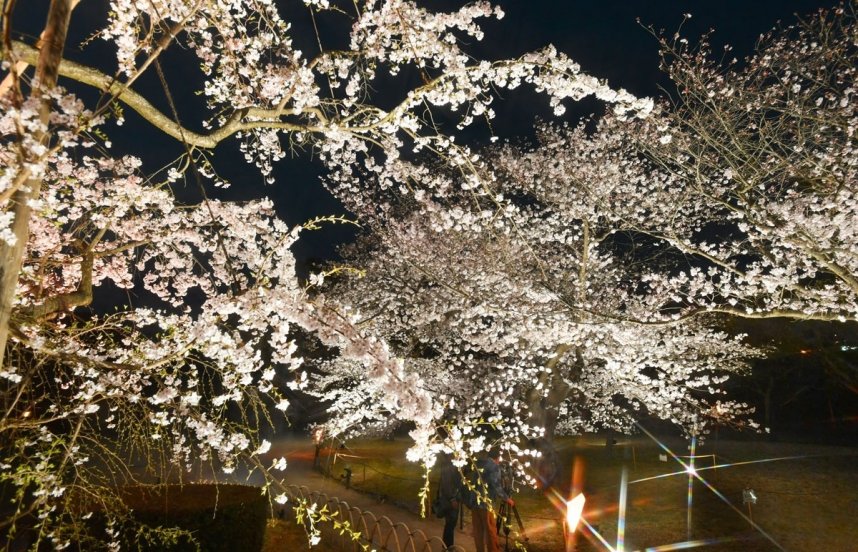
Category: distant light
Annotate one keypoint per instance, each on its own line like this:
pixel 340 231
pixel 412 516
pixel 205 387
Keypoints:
pixel 848 347
pixel 318 435
pixel 806 351
pixel 574 509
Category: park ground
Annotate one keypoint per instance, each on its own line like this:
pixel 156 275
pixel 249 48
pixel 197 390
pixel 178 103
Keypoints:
pixel 806 494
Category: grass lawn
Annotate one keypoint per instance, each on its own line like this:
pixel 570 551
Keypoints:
pixel 807 500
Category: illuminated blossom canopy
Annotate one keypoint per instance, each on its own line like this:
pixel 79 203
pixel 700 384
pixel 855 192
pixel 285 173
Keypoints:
pixel 761 163
pixel 540 287
pixel 186 374
pixel 551 293
pixel 527 310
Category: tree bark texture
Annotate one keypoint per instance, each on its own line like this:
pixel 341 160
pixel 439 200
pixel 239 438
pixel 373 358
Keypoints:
pixel 12 257
pixel 544 410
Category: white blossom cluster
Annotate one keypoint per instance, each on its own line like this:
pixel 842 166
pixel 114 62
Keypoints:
pixel 567 282
pixel 524 313
pixel 762 171
pixel 22 155
pixel 165 378
pixel 268 90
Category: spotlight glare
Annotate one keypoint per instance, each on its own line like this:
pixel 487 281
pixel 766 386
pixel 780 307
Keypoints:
pixel 574 508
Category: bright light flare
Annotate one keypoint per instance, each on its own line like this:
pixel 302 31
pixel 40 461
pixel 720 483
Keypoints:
pixel 621 517
pixel 715 491
pixel 574 509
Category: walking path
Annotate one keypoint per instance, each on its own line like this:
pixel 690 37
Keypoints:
pixel 300 472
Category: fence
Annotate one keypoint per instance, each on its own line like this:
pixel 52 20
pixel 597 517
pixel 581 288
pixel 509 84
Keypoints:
pixel 378 532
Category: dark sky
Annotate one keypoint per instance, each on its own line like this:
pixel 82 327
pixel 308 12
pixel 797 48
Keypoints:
pixel 602 35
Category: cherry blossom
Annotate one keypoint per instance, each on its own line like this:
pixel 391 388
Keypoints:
pixel 762 171
pixel 526 311
pixel 144 327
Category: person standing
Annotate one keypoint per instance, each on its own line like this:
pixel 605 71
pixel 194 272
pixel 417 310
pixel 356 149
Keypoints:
pixel 490 489
pixel 449 495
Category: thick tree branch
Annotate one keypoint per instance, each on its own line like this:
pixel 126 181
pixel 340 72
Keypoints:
pixel 46 61
pixel 67 301
pixel 142 106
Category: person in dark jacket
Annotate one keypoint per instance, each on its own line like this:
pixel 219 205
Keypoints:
pixel 449 495
pixel 491 490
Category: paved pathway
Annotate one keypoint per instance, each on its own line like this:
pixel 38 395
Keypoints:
pixel 301 472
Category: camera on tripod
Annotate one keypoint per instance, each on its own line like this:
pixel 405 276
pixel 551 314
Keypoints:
pixel 507 512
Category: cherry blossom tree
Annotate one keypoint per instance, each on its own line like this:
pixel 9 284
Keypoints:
pixel 526 312
pixel 258 103
pixel 185 374
pixel 738 199
pixel 760 160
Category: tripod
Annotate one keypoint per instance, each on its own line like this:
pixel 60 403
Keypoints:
pixel 504 522
pixel 503 519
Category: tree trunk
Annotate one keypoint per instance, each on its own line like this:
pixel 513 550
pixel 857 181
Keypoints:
pixel 544 411
pixel 12 257
pixel 544 414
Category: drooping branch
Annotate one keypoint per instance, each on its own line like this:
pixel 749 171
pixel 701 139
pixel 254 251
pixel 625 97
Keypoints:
pixel 132 99
pixel 109 365
pixel 261 118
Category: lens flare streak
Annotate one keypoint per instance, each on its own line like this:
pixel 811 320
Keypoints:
pixel 598 536
pixel 718 466
pixel 689 468
pixel 688 544
pixel 621 517
pixel 691 475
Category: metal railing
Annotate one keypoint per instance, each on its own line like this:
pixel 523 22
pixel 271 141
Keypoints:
pixel 379 533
